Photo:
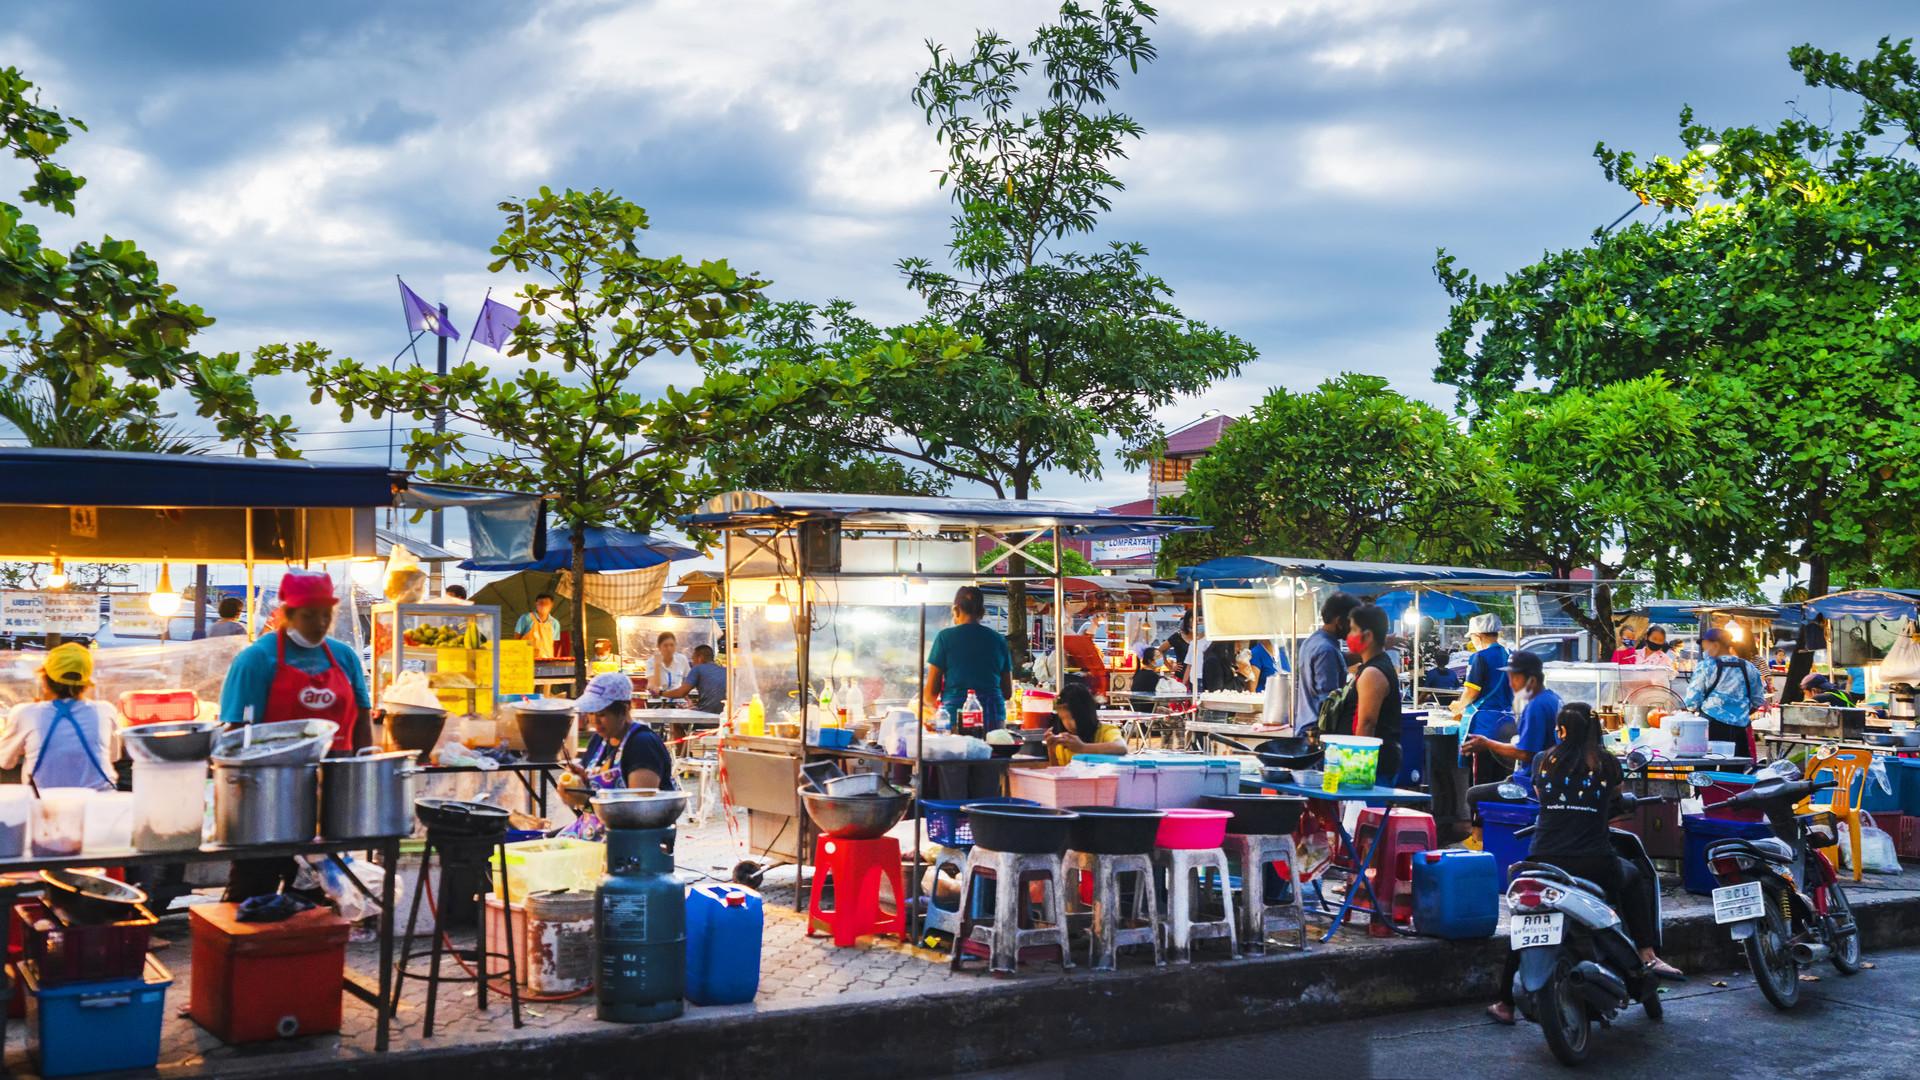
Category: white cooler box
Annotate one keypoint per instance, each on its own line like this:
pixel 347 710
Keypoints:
pixel 1167 782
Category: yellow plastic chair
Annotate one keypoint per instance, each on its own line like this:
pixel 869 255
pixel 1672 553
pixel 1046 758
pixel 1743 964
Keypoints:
pixel 1846 766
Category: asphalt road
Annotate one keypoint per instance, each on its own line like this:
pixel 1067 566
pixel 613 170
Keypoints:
pixel 1860 1027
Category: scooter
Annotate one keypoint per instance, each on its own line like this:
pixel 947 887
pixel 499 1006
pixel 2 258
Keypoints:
pixel 1781 895
pixel 1577 962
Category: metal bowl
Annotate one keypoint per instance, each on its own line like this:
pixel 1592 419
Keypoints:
pixel 639 809
pixel 178 740
pixel 856 817
pixel 92 896
pixel 285 742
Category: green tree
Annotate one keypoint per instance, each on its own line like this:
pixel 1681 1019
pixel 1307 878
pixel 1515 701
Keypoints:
pixel 93 330
pixel 595 310
pixel 1074 563
pixel 1349 470
pixel 1779 296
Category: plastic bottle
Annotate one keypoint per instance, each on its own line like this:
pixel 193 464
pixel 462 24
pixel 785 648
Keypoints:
pixel 756 716
pixel 973 715
pixel 843 704
pixel 942 721
pixel 832 718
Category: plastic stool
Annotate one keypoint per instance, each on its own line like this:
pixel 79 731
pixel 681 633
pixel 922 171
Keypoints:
pixel 938 919
pixel 1411 832
pixel 1015 929
pixel 458 852
pixel 1184 869
pixel 857 869
pixel 1253 853
pixel 1117 924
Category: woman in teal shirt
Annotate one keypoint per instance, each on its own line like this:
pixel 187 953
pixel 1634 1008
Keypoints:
pixel 970 655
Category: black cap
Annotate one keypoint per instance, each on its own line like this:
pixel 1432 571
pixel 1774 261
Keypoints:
pixel 1525 664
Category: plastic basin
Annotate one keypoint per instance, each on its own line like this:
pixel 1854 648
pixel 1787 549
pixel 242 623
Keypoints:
pixel 1021 830
pixel 1114 830
pixel 1354 759
pixel 1258 815
pixel 1192 829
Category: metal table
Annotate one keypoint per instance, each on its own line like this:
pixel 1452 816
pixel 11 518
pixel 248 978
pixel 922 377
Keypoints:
pixel 537 777
pixel 1385 797
pixel 16 879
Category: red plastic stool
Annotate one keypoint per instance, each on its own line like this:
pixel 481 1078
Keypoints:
pixel 1412 832
pixel 857 869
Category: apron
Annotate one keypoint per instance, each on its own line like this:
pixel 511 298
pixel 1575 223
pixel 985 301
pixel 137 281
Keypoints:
pixel 542 631
pixel 324 695
pixel 603 774
pixel 68 772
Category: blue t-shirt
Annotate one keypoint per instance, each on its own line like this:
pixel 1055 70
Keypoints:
pixel 251 675
pixel 1262 662
pixel 1323 669
pixel 1538 722
pixel 972 656
pixel 1483 672
pixel 709 681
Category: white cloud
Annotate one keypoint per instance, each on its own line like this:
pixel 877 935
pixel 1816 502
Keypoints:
pixel 1377 53
pixel 1238 16
pixel 1376 164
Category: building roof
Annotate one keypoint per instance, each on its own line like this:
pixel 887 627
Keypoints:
pixel 1198 439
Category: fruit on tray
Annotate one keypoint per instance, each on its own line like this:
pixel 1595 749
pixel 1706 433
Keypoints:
pixel 446 637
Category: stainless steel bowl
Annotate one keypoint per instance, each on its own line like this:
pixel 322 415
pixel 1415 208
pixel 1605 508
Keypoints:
pixel 179 740
pixel 639 809
pixel 856 817
pixel 285 742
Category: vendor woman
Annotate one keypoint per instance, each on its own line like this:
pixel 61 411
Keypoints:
pixel 622 754
pixel 1486 686
pixel 297 672
pixel 62 739
pixel 970 655
pixel 1077 727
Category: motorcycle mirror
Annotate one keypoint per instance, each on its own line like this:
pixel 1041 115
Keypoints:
pixel 1698 780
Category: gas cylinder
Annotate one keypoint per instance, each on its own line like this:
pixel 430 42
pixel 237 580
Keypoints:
pixel 640 929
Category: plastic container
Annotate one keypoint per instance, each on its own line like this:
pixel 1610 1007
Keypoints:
pixel 90 1027
pixel 159 706
pixel 1456 894
pixel 1499 821
pixel 1352 761
pixel 107 823
pixel 1721 748
pixel 60 820
pixel 559 935
pixel 1725 786
pixel 724 928
pixel 63 953
pixel 550 864
pixel 1905 775
pixel 1689 733
pixel 1036 708
pixel 169 804
pixel 947 823
pixel 256 982
pixel 1189 829
pixel 1703 832
pixel 16 816
pixel 1871 797
pixel 1063 786
pixel 833 738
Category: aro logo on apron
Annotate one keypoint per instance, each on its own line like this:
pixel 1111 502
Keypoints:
pixel 317 698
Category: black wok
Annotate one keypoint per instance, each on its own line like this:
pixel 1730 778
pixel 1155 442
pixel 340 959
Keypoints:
pixel 1284 752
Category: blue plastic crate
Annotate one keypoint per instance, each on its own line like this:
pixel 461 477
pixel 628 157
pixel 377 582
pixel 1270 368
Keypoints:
pixel 89 1027
pixel 1703 832
pixel 947 824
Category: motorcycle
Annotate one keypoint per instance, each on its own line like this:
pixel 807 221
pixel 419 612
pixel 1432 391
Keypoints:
pixel 1577 962
pixel 1781 895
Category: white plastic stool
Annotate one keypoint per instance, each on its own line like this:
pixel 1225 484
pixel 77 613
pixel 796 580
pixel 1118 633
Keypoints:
pixel 1185 871
pixel 1115 925
pixel 939 919
pixel 702 771
pixel 1253 851
pixel 1004 938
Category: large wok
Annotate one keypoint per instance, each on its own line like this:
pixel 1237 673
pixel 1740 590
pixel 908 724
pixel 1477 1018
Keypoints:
pixel 1285 752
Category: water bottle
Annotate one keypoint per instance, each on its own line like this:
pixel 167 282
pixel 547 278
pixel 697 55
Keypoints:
pixel 942 721
pixel 973 715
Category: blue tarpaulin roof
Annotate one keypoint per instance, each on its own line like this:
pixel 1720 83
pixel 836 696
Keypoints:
pixel 1244 569
pixel 744 509
pixel 112 478
pixel 1433 605
pixel 1868 604
pixel 608 551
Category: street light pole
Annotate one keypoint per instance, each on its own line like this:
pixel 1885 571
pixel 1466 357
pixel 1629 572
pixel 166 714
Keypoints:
pixel 439 456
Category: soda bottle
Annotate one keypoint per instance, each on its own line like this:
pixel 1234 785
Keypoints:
pixel 973 715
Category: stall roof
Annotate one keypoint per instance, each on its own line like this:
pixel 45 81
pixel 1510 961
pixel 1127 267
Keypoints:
pixel 1138 589
pixel 609 551
pixel 1868 604
pixel 1245 569
pixel 1436 605
pixel 35 477
pixel 748 509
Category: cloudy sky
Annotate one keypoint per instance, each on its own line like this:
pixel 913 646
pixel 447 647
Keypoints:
pixel 1304 158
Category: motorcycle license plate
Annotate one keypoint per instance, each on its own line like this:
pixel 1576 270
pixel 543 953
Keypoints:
pixel 1533 931
pixel 1738 903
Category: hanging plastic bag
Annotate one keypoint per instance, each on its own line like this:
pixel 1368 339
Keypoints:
pixel 406 578
pixel 1877 853
pixel 1903 658
pixel 353 904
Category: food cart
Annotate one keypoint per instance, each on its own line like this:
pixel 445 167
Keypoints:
pixel 846 590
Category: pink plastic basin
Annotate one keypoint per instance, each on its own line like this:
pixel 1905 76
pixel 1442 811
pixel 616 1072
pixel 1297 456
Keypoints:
pixel 1193 830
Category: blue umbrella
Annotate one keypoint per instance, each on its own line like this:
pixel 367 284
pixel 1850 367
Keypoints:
pixel 609 550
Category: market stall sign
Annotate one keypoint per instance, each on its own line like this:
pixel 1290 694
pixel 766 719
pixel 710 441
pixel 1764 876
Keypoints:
pixel 132 618
pixel 1126 549
pixel 68 613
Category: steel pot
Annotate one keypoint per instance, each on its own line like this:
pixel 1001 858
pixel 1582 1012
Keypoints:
pixel 367 795
pixel 264 804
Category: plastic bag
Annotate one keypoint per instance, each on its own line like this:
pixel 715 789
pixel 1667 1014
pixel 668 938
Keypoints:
pixel 458 755
pixel 1877 853
pixel 406 578
pixel 353 904
pixel 1903 658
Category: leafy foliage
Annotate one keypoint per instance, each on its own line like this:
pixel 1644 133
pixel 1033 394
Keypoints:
pixel 1074 563
pixel 94 326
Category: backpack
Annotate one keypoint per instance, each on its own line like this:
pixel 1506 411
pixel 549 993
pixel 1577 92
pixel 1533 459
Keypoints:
pixel 1337 709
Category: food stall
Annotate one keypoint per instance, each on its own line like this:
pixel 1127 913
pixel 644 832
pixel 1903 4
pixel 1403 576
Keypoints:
pixel 1873 649
pixel 841 593
pixel 67 507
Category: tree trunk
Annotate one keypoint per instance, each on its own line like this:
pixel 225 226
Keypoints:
pixel 578 570
pixel 1819 576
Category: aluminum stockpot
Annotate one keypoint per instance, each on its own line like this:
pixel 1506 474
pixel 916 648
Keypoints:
pixel 367 795
pixel 264 804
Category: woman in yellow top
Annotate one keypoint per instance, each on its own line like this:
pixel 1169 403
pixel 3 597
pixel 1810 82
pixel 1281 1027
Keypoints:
pixel 1078 729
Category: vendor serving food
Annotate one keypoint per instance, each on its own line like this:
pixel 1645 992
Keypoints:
pixel 623 753
pixel 62 739
pixel 297 672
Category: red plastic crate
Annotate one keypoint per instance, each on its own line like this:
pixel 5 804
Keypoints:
pixel 1906 839
pixel 62 954
pixel 258 981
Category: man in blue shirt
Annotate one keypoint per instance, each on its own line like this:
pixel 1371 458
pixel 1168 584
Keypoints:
pixel 1727 690
pixel 970 655
pixel 1486 684
pixel 1262 660
pixel 1323 661
pixel 705 685
pixel 1538 716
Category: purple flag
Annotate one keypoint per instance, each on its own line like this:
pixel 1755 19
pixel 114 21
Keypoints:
pixel 422 315
pixel 495 324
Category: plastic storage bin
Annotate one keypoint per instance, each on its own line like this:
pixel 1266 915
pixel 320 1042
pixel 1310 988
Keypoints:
pixel 947 823
pixel 1725 786
pixel 60 820
pixel 542 865
pixel 1456 894
pixel 1703 832
pixel 90 1027
pixel 63 954
pixel 1499 821
pixel 724 927
pixel 169 804
pixel 16 813
pixel 1354 759
pixel 1063 786
pixel 253 982
pixel 1905 774
pixel 107 823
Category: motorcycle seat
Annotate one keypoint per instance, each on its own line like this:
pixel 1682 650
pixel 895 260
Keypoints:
pixel 1770 848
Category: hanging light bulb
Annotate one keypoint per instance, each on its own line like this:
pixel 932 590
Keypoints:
pixel 778 610
pixel 918 587
pixel 163 601
pixel 367 573
pixel 58 578
pixel 1737 631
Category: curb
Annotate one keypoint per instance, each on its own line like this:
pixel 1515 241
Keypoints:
pixel 998 1024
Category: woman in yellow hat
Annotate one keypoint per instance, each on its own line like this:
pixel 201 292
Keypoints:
pixel 64 740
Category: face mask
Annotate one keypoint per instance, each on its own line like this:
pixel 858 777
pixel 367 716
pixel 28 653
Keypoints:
pixel 303 641
pixel 1356 643
pixel 1656 646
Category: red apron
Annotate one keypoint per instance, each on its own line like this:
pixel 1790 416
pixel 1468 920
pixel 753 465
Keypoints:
pixel 301 695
